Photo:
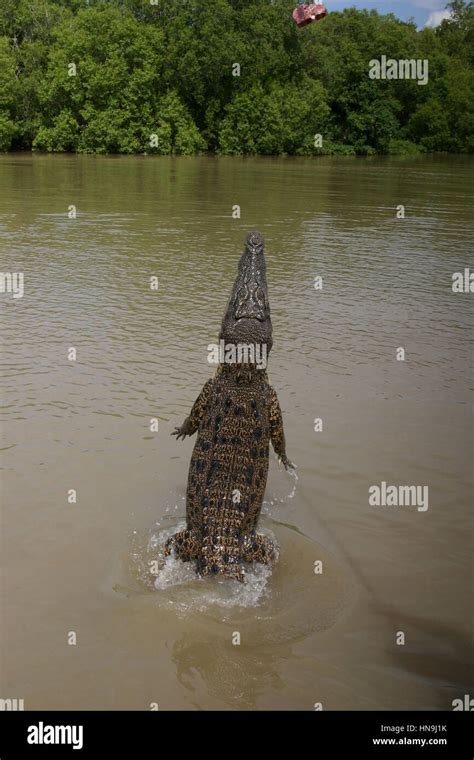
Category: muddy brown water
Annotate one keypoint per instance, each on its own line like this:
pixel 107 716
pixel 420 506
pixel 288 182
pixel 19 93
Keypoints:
pixel 82 571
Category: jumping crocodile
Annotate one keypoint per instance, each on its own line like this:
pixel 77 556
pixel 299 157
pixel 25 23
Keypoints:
pixel 236 415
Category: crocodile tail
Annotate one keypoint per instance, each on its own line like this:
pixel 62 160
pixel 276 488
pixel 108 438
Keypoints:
pixel 216 564
pixel 185 544
pixel 221 549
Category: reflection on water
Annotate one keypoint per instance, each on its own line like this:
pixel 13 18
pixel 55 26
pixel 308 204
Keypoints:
pixel 237 635
pixel 233 680
pixel 142 354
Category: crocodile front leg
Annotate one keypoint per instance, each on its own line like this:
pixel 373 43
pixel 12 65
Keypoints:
pixel 277 434
pixel 191 423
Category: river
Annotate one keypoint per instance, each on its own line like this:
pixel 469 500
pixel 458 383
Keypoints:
pixel 368 606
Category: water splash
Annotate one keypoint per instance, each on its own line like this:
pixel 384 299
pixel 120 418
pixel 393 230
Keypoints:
pixel 294 475
pixel 175 582
pixel 267 503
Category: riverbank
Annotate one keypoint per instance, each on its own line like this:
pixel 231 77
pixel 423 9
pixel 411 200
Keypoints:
pixel 240 79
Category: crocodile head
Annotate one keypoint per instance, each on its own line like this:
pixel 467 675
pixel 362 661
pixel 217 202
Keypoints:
pixel 247 317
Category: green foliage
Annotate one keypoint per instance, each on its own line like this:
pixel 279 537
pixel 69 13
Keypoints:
pixel 7 94
pixel 402 148
pixel 63 135
pixel 99 93
pixel 126 76
pixel 284 120
pixel 177 132
pixel 429 126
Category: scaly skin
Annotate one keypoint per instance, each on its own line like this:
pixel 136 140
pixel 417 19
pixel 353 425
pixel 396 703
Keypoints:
pixel 236 416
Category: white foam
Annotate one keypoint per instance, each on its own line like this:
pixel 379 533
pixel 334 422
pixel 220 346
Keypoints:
pixel 174 573
pixel 189 591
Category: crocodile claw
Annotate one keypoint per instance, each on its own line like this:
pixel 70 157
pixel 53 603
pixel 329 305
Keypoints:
pixel 179 433
pixel 286 463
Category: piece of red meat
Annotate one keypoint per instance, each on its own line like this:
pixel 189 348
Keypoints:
pixel 309 12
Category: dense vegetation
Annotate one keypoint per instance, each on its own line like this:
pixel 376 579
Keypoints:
pixel 158 76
